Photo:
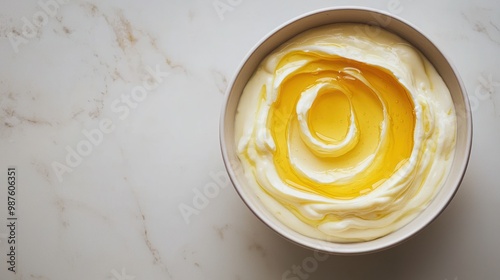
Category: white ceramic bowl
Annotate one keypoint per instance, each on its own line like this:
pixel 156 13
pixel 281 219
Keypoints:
pixel 348 15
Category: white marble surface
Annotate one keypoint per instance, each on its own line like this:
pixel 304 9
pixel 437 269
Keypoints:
pixel 113 213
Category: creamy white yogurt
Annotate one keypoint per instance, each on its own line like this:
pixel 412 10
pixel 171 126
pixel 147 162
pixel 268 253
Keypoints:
pixel 345 135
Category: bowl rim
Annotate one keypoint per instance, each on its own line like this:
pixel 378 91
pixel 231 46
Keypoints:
pixel 346 248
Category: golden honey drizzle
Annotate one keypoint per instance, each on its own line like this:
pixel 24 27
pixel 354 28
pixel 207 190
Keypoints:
pixel 328 121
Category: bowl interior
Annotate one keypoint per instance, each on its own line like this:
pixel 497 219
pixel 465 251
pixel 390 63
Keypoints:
pixel 373 18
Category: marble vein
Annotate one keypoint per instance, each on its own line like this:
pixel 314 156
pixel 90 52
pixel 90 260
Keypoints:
pixel 481 22
pixel 220 81
pixel 157 259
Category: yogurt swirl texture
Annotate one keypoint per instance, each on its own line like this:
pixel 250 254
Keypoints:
pixel 345 135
